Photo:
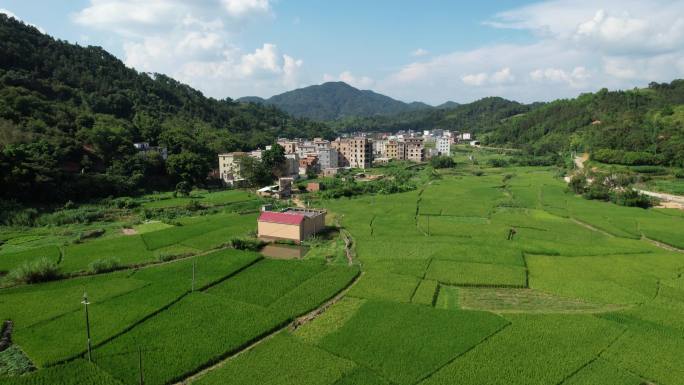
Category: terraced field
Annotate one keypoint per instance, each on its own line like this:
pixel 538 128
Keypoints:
pixel 503 278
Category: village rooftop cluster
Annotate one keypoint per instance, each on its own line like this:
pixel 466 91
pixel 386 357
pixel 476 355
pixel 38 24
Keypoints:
pixel 357 150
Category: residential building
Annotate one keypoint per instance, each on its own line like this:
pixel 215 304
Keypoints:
pixel 392 149
pixel 309 164
pixel 380 147
pixel 444 145
pixel 327 158
pixel 290 146
pixel 293 224
pixel 229 167
pixel 356 152
pixel 291 164
pixel 414 149
pixel 146 149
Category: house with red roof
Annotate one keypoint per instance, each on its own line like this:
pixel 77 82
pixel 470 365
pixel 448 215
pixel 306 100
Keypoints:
pixel 294 224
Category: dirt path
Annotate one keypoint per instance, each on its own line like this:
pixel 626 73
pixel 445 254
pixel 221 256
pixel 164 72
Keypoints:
pixel 298 202
pixel 669 201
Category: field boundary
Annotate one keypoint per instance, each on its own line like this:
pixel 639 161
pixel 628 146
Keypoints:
pixel 660 244
pixel 295 322
pixel 573 373
pixel 487 338
pixel 152 314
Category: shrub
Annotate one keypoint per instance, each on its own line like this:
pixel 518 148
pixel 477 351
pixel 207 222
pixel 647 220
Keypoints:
pixel 597 191
pixel 478 172
pixel 652 170
pixel 632 198
pixel 104 265
pixel 88 234
pixel 578 183
pixel 247 244
pixel 497 162
pixel 679 174
pixel 442 161
pixel 38 270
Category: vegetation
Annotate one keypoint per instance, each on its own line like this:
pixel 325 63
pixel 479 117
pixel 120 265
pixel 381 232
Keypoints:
pixel 38 270
pixel 69 116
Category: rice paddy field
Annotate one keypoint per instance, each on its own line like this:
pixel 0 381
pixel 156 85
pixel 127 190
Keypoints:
pixel 500 278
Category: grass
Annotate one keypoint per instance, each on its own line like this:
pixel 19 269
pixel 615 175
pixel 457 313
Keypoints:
pixel 281 360
pixel 11 261
pixel 599 371
pixel 406 342
pixel 425 293
pixel 476 274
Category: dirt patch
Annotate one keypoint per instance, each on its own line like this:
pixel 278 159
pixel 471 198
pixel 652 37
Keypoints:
pixel 129 231
pixel 670 205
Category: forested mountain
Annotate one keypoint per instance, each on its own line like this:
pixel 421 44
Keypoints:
pixel 640 126
pixel 336 100
pixel 478 116
pixel 69 116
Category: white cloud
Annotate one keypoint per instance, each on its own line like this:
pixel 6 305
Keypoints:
pixel 420 52
pixel 577 46
pixel 194 42
pixel 362 82
pixel 241 8
pixel 11 14
pixel 475 79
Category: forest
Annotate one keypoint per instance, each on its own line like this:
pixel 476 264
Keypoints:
pixel 69 116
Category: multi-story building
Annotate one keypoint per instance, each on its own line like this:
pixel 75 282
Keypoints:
pixel 229 167
pixel 290 146
pixel 291 164
pixel 415 150
pixel 309 164
pixel 444 145
pixel 392 149
pixel 354 152
pixel 328 158
pixel 380 147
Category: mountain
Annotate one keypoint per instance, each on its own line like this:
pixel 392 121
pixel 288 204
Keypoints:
pixel 336 100
pixel 479 116
pixel 69 116
pixel 448 104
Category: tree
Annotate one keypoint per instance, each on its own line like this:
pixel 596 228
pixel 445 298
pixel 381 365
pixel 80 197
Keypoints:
pixel 183 188
pixel 273 160
pixel 187 167
pixel 254 172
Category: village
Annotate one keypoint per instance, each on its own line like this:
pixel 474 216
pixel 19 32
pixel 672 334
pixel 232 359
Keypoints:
pixel 354 151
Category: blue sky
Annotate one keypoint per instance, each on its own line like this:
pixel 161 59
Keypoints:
pixel 427 50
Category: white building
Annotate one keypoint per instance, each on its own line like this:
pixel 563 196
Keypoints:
pixel 229 167
pixel 444 145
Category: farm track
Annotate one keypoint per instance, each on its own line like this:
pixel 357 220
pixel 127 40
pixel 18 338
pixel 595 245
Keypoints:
pixel 592 228
pixel 293 325
pixel 661 245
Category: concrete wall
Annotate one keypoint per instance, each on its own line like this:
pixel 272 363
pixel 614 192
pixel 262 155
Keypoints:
pixel 279 231
pixel 311 226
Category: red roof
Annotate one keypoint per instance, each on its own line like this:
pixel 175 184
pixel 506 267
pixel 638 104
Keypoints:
pixel 286 218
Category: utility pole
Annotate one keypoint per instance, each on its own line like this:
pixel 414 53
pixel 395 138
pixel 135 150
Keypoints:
pixel 194 262
pixel 87 319
pixel 140 366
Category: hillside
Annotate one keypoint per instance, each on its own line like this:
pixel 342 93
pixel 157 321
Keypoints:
pixel 640 126
pixel 70 114
pixel 481 115
pixel 336 100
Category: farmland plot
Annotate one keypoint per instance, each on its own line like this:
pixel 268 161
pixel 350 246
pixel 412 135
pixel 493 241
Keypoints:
pixel 406 342
pixel 204 327
pixel 476 274
pixel 533 350
pixel 282 360
pixel 117 303
pixel 72 373
pixel 9 261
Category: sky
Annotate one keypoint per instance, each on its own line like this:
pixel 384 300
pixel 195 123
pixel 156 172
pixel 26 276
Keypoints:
pixel 411 50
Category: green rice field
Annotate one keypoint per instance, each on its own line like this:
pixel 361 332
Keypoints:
pixel 499 279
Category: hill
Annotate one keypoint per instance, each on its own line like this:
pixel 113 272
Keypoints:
pixel 481 115
pixel 636 127
pixel 336 100
pixel 69 116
